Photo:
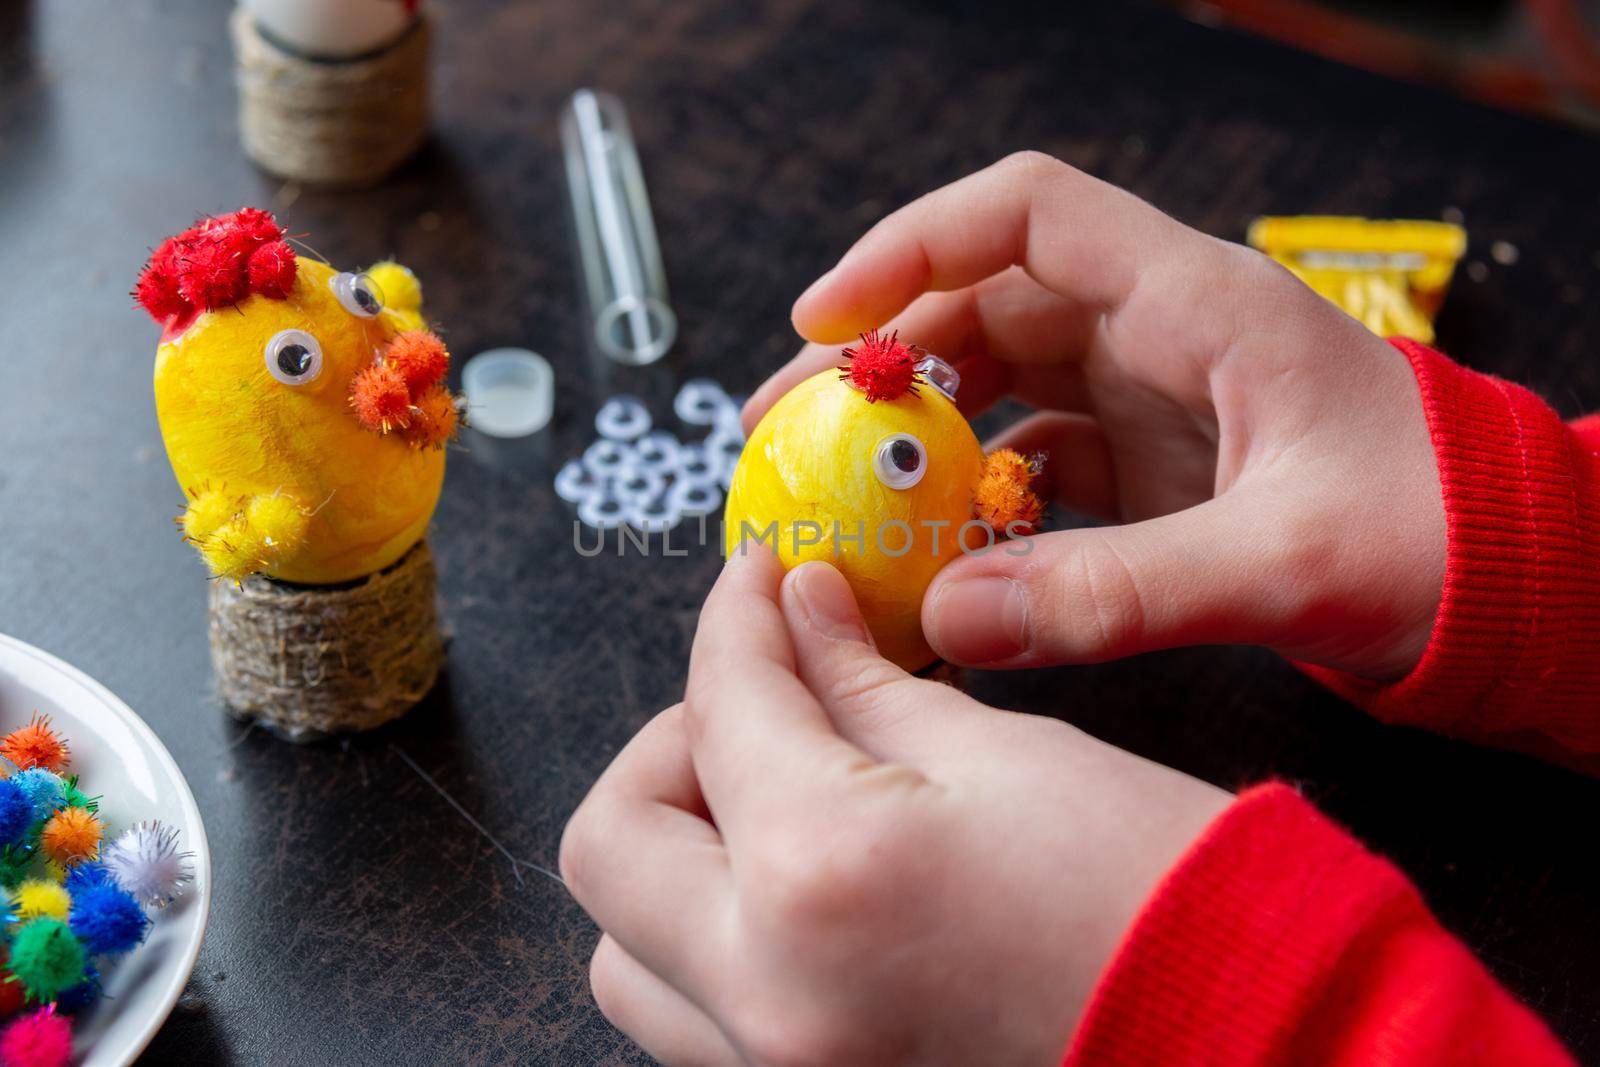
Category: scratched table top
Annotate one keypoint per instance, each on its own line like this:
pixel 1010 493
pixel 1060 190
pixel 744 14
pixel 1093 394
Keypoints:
pixel 382 900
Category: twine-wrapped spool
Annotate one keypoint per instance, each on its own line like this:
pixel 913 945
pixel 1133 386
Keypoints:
pixel 331 122
pixel 306 661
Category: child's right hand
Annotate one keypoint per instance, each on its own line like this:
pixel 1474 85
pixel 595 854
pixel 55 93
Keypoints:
pixel 1266 456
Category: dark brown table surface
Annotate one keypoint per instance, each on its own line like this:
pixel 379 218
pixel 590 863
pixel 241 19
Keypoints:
pixel 358 918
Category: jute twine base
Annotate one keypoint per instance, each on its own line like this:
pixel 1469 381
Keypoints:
pixel 306 662
pixel 331 122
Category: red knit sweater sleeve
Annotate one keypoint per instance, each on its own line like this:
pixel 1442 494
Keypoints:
pixel 1279 940
pixel 1514 657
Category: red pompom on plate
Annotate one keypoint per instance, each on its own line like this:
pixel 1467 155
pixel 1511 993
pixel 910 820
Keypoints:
pixel 882 367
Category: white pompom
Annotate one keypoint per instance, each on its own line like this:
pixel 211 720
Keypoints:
pixel 146 863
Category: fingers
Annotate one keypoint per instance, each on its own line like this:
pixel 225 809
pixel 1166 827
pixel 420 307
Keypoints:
pixel 1077 470
pixel 1009 318
pixel 1235 569
pixel 662 1021
pixel 635 851
pixel 760 742
pixel 871 701
pixel 1077 236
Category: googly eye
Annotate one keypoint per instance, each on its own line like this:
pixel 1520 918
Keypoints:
pixel 637 486
pixel 576 483
pixel 693 498
pixel 657 451
pixel 602 512
pixel 607 459
pixel 294 357
pixel 699 402
pixel 622 418
pixel 695 464
pixel 899 461
pixel 358 294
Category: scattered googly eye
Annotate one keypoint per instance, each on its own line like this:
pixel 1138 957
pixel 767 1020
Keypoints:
pixel 699 402
pixel 607 459
pixel 635 485
pixel 899 461
pixel 358 294
pixel 725 448
pixel 576 483
pixel 294 357
pixel 694 498
pixel 622 418
pixel 695 464
pixel 602 512
pixel 728 417
pixel 654 516
pixel 656 451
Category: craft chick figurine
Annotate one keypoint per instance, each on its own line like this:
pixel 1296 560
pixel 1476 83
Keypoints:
pixel 304 412
pixel 873 469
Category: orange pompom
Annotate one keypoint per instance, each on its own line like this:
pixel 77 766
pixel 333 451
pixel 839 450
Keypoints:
pixel 433 419
pixel 380 398
pixel 1005 493
pixel 35 745
pixel 421 359
pixel 72 834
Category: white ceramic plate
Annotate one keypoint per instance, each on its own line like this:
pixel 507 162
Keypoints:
pixel 120 758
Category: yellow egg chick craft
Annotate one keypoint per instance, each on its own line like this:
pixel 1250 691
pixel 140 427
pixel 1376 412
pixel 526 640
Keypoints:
pixel 872 468
pixel 304 412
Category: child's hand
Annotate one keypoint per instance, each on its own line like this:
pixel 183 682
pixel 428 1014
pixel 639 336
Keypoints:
pixel 1269 454
pixel 818 859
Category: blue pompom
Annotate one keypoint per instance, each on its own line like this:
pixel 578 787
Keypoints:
pixel 16 812
pixel 83 994
pixel 45 791
pixel 107 919
pixel 81 876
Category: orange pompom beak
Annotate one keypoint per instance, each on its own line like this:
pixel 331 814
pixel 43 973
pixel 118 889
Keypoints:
pixel 1004 497
pixel 403 392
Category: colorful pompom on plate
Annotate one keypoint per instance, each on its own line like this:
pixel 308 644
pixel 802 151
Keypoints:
pixel 131 962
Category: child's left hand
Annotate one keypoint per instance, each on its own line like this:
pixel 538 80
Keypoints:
pixel 819 859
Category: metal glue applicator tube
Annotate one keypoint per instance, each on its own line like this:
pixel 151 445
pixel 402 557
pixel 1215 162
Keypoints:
pixel 621 256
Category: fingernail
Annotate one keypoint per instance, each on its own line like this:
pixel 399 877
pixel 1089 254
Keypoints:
pixel 828 606
pixel 981 620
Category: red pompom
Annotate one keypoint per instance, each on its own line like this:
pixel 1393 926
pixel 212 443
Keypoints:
pixel 272 270
pixel 420 357
pixel 157 292
pixel 380 398
pixel 881 367
pixel 213 274
pixel 42 1039
pixel 214 264
pixel 258 226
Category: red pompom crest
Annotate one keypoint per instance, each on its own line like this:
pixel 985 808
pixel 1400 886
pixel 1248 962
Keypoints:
pixel 882 367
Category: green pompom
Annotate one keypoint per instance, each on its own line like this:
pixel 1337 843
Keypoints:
pixel 46 958
pixel 14 866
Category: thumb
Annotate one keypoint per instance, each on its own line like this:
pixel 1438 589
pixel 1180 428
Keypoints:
pixel 873 703
pixel 1222 572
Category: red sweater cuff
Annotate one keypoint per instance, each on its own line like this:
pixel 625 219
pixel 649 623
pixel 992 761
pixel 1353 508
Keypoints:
pixel 1515 651
pixel 1279 939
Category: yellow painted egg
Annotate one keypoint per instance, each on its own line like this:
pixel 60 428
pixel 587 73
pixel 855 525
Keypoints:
pixel 881 489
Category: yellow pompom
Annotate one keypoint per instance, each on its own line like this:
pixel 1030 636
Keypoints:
pixel 400 288
pixel 208 513
pixel 279 524
pixel 234 551
pixel 38 898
